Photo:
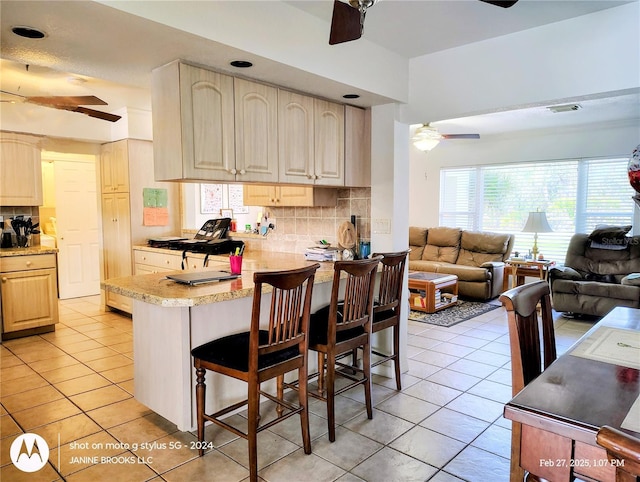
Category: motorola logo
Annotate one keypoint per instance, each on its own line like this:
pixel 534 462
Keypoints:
pixel 29 452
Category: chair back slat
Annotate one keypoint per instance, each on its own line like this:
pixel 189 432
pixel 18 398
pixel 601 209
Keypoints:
pixel 289 310
pixel 524 331
pixel 391 280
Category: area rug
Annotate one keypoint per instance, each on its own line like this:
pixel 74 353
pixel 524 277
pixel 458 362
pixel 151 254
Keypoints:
pixel 453 315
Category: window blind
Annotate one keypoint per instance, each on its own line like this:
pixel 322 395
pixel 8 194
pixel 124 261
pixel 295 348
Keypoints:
pixel 575 194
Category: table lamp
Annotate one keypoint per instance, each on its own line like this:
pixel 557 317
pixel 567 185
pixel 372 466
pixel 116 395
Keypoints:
pixel 536 223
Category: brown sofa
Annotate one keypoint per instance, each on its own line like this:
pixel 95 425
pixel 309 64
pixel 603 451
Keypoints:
pixel 476 258
pixel 594 280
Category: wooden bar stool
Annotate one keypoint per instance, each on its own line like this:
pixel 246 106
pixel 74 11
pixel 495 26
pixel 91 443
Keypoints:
pixel 386 308
pixel 342 327
pixel 624 449
pixel 259 355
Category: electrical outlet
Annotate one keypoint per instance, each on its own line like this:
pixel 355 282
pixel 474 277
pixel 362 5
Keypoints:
pixel 381 226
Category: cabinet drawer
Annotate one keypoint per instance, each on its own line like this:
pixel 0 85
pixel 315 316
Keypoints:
pixel 159 260
pixel 23 263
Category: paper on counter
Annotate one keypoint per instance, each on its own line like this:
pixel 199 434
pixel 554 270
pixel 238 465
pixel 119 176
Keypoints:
pixel 612 345
pixel 632 420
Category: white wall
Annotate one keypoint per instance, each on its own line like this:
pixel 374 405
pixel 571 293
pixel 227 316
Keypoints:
pixel 615 139
pixel 587 55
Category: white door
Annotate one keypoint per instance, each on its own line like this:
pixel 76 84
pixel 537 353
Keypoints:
pixel 78 235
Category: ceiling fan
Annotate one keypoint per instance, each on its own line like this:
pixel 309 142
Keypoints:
pixel 427 137
pixel 347 22
pixel 70 103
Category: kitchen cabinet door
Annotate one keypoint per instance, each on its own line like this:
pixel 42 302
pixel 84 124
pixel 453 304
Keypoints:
pixel 29 298
pixel 328 143
pixel 357 147
pixel 114 167
pixel 295 138
pixel 116 226
pixel 193 124
pixel 289 196
pixel 257 195
pixel 20 171
pixel 256 118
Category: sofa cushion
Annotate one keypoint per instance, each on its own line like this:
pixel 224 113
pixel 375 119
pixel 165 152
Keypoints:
pixel 481 247
pixel 421 265
pixel 443 244
pixel 417 240
pixel 466 273
pixel 597 289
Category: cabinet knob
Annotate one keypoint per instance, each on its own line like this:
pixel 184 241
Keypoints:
pixel 4 279
pixel 168 261
pixel 29 263
pixel 309 176
pixel 242 171
pixel 318 177
pixel 232 171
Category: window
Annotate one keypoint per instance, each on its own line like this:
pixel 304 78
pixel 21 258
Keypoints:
pixel 576 195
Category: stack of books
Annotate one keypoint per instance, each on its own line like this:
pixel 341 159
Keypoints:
pixel 321 254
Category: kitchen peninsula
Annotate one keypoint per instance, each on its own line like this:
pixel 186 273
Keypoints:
pixel 170 319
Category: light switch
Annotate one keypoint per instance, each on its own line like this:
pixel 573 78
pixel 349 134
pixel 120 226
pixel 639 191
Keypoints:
pixel 381 226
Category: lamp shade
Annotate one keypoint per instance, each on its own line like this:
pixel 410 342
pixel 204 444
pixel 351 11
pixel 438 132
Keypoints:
pixel 537 223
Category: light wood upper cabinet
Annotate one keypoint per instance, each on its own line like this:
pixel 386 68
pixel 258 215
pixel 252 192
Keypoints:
pixel 295 137
pixel 311 140
pixel 114 167
pixel 328 143
pixel 20 171
pixel 193 124
pixel 256 110
pixel 257 195
pixel 357 147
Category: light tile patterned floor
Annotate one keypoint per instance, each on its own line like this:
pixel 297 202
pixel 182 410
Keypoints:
pixel 76 385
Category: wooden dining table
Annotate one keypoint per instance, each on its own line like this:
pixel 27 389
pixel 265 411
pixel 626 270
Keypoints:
pixel 595 383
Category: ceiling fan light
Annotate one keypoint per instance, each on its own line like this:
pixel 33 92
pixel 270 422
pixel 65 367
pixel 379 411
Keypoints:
pixel 426 138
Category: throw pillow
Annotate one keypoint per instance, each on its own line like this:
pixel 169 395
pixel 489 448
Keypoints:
pixel 602 234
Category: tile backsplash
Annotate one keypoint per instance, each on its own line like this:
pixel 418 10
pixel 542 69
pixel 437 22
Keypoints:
pixel 7 212
pixel 297 228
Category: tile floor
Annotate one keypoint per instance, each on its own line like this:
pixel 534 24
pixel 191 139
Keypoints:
pixel 75 385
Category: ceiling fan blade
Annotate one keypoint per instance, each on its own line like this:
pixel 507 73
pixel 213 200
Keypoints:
pixel 345 23
pixel 501 3
pixel 90 112
pixel 460 136
pixel 67 100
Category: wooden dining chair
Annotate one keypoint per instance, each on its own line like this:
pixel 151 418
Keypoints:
pixel 341 327
pixel 386 307
pixel 262 354
pixel 624 452
pixel 527 348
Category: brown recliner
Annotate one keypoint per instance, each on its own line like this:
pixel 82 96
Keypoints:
pixel 595 280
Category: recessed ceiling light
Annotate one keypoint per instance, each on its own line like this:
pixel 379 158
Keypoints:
pixel 564 108
pixel 28 32
pixel 76 80
pixel 241 64
pixel 351 96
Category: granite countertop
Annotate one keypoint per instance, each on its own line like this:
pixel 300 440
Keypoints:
pixel 9 252
pixel 158 290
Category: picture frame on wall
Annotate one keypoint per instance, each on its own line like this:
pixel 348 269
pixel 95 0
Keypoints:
pixel 226 213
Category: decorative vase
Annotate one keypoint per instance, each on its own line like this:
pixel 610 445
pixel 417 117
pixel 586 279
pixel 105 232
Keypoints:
pixel 633 169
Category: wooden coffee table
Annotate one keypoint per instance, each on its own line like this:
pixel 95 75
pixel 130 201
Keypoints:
pixel 426 291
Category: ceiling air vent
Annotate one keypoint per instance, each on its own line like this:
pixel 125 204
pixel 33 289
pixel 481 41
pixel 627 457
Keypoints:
pixel 564 108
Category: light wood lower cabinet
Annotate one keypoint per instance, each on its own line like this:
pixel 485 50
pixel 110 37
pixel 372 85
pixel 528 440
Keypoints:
pixel 29 292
